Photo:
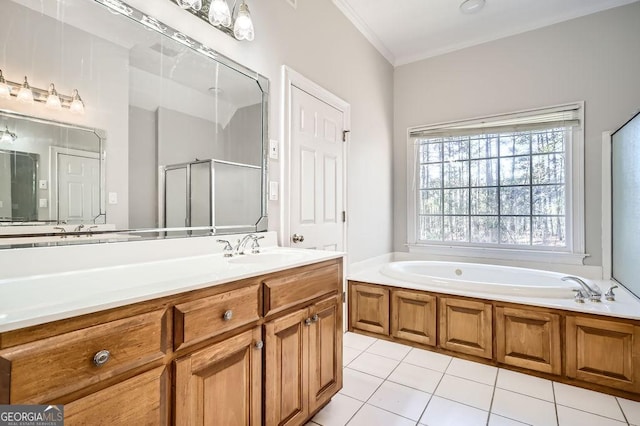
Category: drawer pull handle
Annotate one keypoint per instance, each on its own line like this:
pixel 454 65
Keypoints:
pixel 101 358
pixel 228 315
pixel 315 318
pixel 307 321
pixel 259 344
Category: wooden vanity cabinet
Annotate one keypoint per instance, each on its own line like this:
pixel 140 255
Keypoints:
pixel 605 352
pixel 528 338
pixel 194 358
pixel 222 383
pixel 466 326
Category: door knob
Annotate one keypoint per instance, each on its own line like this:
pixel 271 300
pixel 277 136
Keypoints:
pixel 297 238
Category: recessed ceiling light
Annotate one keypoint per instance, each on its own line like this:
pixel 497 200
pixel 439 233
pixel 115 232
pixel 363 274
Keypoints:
pixel 471 6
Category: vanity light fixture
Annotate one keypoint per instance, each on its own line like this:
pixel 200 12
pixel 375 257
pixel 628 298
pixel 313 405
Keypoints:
pixel 7 136
pixel 51 98
pixel 25 94
pixel 221 16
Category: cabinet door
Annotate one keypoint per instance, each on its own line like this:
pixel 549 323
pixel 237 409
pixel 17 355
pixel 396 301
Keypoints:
pixel 221 384
pixel 603 352
pixel 529 339
pixel 466 326
pixel 369 308
pixel 287 370
pixel 325 351
pixel 413 316
pixel 141 400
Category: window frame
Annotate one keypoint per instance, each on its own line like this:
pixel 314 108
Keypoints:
pixel 572 253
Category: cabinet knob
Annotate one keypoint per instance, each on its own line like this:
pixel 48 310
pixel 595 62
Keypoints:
pixel 101 358
pixel 259 344
pixel 307 321
pixel 228 315
pixel 315 318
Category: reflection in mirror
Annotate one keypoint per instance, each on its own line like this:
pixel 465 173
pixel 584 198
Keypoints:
pixel 50 173
pixel 186 126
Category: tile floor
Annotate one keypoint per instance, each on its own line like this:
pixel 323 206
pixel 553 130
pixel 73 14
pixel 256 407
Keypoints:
pixel 388 384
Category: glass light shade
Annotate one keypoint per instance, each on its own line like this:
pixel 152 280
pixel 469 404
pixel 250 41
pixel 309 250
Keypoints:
pixel 53 100
pixel 77 106
pixel 243 27
pixel 25 94
pixel 219 13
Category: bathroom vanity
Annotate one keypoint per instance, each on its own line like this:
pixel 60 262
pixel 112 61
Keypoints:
pixel 263 347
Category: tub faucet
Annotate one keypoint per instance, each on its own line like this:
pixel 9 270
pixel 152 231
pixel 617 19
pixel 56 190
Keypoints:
pixel 594 295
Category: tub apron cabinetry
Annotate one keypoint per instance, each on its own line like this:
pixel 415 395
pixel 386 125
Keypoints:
pixel 592 351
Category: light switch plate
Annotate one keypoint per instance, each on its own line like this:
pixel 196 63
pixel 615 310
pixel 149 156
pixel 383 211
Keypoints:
pixel 43 184
pixel 274 148
pixel 43 203
pixel 113 198
pixel 273 191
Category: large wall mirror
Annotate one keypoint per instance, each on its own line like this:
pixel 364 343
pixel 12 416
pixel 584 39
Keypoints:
pixel 172 136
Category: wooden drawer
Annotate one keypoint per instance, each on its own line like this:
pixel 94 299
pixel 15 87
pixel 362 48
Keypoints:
pixel 204 318
pixel 298 286
pixel 40 371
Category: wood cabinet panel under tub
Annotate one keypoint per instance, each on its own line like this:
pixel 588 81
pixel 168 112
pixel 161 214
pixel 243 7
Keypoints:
pixel 528 338
pixel 369 308
pixel 413 316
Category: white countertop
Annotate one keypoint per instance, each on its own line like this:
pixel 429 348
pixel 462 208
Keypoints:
pixel 37 299
pixel 626 304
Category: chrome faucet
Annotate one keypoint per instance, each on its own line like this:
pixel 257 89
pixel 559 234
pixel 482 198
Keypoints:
pixel 62 231
pixel 240 247
pixel 78 228
pixel 593 294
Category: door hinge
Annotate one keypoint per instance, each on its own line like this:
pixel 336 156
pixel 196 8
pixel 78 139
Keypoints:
pixel 344 297
pixel 344 135
pixel 344 216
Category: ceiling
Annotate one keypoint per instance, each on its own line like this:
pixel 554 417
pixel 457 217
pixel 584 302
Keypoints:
pixel 406 31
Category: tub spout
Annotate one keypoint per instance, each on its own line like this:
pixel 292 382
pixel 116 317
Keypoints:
pixel 594 295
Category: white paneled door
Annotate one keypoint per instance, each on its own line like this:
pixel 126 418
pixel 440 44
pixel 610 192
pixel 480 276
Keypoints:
pixel 317 173
pixel 78 188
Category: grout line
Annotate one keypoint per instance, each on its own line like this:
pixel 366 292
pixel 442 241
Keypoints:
pixel 555 402
pixel 622 409
pixel 493 395
pixel 595 414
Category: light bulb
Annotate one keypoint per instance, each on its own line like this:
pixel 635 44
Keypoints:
pixel 53 100
pixel 77 106
pixel 5 89
pixel 219 13
pixel 243 27
pixel 25 94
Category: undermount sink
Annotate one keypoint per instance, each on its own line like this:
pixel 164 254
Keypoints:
pixel 269 257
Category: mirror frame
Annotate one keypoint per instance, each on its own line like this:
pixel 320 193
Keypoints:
pixel 138 17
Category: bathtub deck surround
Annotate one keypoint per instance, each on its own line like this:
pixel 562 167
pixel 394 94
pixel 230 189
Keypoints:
pixel 167 339
pixel 591 345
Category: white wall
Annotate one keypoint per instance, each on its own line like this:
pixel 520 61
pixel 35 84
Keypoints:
pixel 317 41
pixel 593 58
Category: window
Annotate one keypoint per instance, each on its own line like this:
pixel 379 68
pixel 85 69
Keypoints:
pixel 502 182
